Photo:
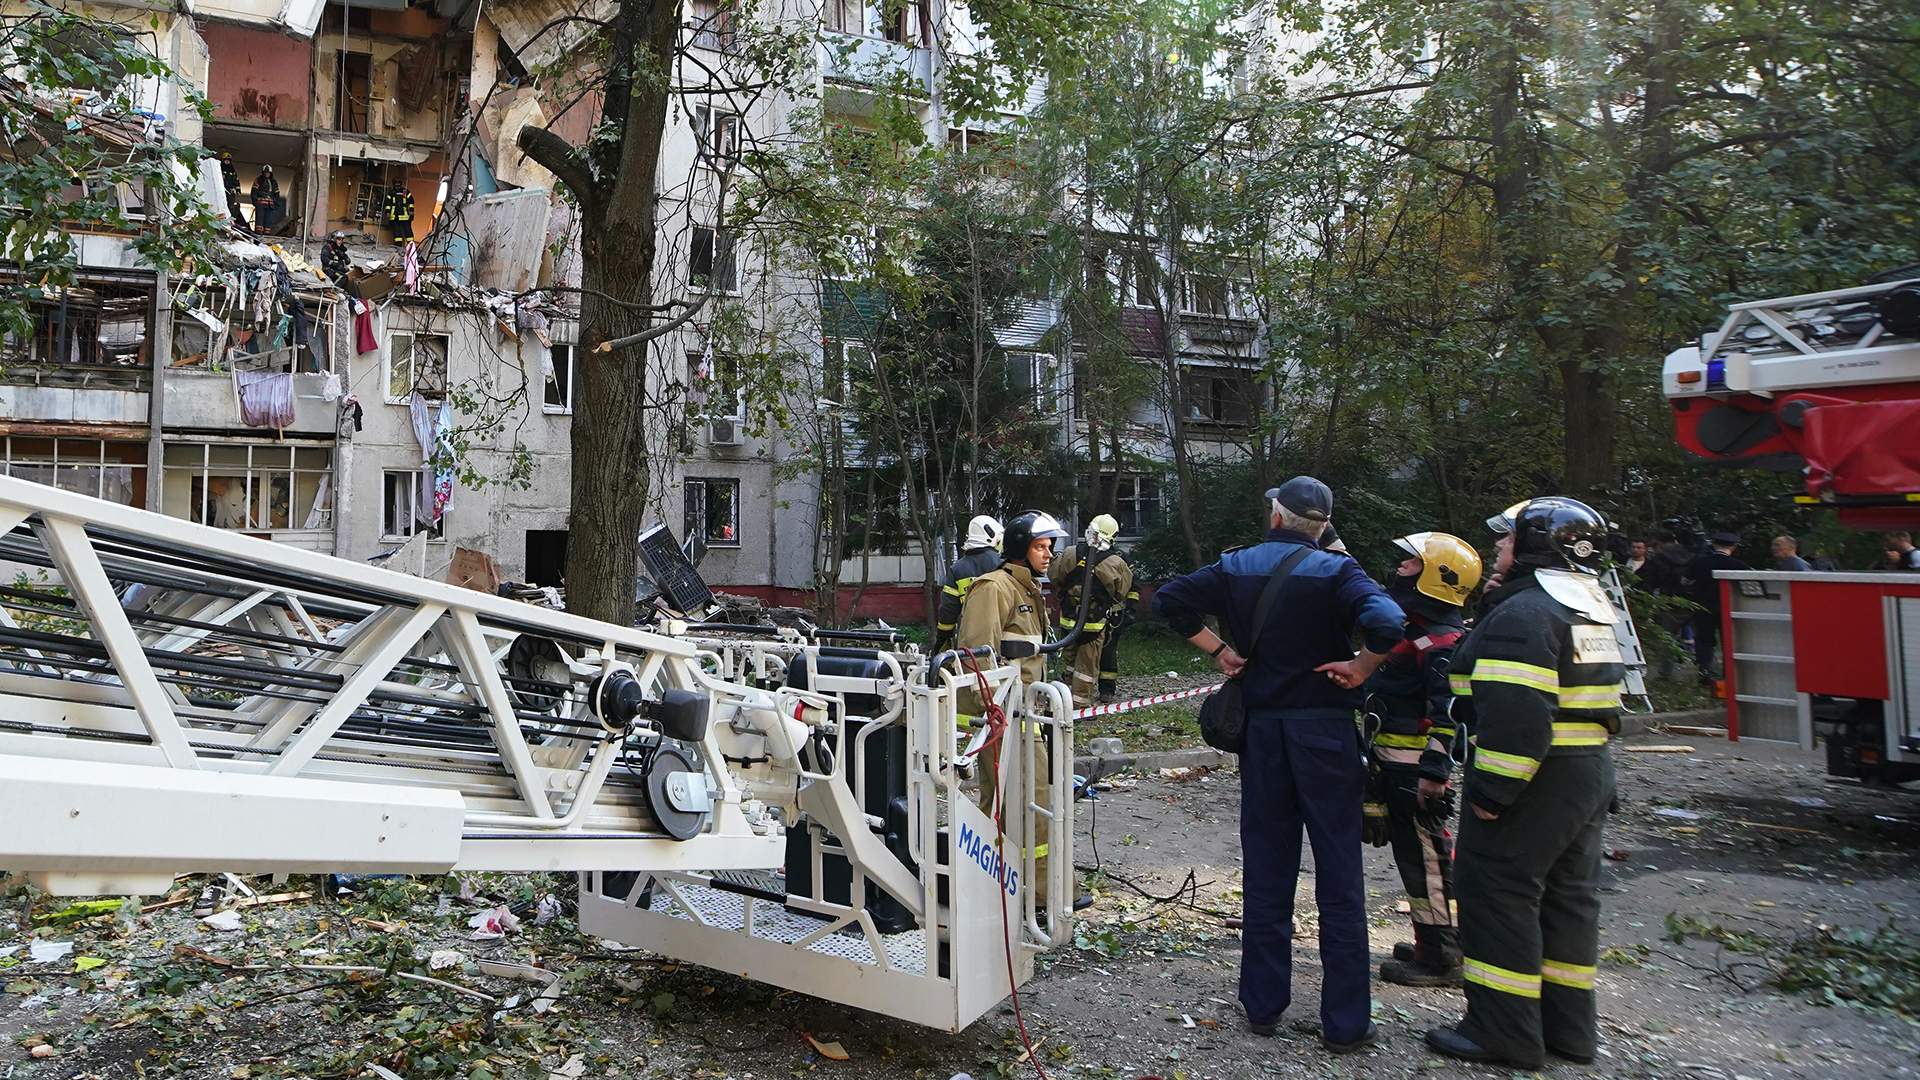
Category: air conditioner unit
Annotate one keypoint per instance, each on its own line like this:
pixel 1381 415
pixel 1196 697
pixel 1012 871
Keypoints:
pixel 723 431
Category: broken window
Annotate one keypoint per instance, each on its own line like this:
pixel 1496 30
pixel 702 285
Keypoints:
pixel 713 259
pixel 1030 377
pixel 713 511
pixel 95 324
pixel 352 91
pixel 1206 294
pixel 559 395
pixel 1217 396
pixel 251 486
pixel 719 134
pixel 114 471
pixel 416 360
pixel 400 506
pixel 1136 503
pixel 712 24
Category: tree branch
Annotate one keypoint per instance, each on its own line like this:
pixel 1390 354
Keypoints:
pixel 1666 165
pixel 563 160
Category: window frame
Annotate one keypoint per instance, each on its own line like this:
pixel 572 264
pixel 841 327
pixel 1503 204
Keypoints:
pixel 563 407
pixel 716 154
pixel 1128 502
pixel 258 472
pixel 712 245
pixel 13 456
pixel 696 492
pixel 387 362
pixel 436 531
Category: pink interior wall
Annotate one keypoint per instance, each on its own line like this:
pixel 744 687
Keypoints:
pixel 256 76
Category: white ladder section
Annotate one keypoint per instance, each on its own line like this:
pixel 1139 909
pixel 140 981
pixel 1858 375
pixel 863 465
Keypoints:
pixel 178 698
pixel 1631 652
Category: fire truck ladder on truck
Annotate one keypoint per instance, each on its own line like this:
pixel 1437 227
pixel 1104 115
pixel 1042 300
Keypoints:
pixel 177 698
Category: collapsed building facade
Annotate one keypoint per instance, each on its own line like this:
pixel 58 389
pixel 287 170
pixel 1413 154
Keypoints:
pixel 395 287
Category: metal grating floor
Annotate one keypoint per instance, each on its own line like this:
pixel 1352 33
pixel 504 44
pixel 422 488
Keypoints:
pixel 773 922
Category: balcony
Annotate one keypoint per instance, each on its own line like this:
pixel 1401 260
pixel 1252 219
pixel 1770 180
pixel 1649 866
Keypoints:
pixel 870 63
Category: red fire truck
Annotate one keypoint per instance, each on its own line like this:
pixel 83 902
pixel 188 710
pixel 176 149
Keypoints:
pixel 1826 385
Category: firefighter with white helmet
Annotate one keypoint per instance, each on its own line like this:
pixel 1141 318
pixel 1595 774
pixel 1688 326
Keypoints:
pixel 1004 607
pixel 1409 707
pixel 1094 564
pixel 979 554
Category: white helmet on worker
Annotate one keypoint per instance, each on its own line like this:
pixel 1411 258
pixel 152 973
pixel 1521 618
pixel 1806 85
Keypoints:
pixel 984 531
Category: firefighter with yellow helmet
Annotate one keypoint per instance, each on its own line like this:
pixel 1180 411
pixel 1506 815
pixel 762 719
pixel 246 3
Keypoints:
pixel 1096 565
pixel 1408 711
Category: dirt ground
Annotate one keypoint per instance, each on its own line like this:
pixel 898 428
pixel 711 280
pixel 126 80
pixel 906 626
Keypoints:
pixel 1772 854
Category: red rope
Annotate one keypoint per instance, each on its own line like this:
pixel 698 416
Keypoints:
pixel 996 720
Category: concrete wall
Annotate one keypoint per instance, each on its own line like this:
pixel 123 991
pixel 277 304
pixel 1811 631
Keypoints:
pixel 258 76
pixel 493 518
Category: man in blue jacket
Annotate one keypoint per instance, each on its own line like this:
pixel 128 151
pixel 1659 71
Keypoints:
pixel 1302 765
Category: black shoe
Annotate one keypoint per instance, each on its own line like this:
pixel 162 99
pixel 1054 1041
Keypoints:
pixel 1413 973
pixel 1265 1031
pixel 1367 1038
pixel 1403 951
pixel 1450 1042
pixel 1577 1059
pixel 1083 901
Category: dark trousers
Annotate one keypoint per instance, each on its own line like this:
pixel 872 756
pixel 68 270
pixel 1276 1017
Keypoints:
pixel 1303 772
pixel 1110 657
pixel 1530 912
pixel 1706 634
pixel 1423 853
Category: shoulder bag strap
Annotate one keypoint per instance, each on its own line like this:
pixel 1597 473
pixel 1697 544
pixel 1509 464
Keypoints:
pixel 1281 572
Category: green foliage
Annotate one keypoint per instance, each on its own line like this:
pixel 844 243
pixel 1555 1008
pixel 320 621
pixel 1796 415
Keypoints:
pixel 1880 969
pixel 76 138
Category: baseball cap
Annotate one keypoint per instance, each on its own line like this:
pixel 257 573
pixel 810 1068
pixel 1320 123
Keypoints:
pixel 1723 538
pixel 1305 496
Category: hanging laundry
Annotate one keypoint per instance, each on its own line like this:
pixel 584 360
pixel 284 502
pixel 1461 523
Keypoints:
pixel 443 446
pixel 410 259
pixel 363 338
pixel 330 387
pixel 425 434
pixel 266 398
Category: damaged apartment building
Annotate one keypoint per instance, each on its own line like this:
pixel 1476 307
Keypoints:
pixel 395 282
pixel 297 389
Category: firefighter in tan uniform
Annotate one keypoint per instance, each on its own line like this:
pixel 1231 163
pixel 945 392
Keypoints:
pixel 1004 607
pixel 1540 680
pixel 1112 584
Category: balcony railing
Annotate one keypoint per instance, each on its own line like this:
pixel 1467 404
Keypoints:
pixel 875 62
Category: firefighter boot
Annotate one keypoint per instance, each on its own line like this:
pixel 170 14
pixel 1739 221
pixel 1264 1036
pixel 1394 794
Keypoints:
pixel 1434 960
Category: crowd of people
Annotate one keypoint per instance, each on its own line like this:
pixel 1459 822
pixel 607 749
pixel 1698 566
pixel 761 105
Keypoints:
pixel 1352 748
pixel 1680 568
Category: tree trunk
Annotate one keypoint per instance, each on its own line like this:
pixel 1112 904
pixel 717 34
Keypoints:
pixel 1589 432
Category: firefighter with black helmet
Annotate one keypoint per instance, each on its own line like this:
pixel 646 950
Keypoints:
pixel 979 554
pixel 1095 561
pixel 1541 674
pixel 1003 607
pixel 1409 705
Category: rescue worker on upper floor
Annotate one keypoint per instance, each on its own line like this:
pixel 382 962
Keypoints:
pixel 1408 709
pixel 979 554
pixel 1094 560
pixel 1539 681
pixel 1004 606
pixel 398 206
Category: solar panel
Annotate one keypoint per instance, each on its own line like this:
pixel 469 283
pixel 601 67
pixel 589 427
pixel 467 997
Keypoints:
pixel 681 590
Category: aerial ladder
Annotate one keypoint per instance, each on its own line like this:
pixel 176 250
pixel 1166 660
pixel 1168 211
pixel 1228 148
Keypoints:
pixel 176 698
pixel 1827 386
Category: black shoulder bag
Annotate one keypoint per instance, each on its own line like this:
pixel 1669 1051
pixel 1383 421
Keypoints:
pixel 1223 715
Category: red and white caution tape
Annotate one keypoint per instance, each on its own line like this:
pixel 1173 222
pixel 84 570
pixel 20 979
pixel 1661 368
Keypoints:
pixel 1140 703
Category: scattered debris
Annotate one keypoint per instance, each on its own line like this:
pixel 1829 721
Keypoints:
pixel 88 963
pixel 224 921
pixel 1677 814
pixel 46 952
pixel 1811 802
pixel 1659 748
pixel 548 980
pixel 85 909
pixel 442 959
pixel 43 1050
pixel 493 923
pixel 832 1051
pixel 275 899
pixel 547 910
